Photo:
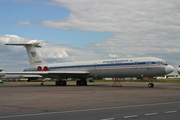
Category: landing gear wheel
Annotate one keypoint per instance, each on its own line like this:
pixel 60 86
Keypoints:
pixel 82 83
pixel 78 82
pixel 61 83
pixel 150 85
pixel 57 83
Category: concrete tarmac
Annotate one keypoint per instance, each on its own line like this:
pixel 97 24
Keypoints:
pixel 158 111
pixel 19 98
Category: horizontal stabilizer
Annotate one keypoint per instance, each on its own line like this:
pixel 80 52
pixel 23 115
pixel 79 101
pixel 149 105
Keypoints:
pixel 25 44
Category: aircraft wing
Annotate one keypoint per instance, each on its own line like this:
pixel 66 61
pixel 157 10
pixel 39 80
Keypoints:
pixel 52 74
pixel 31 76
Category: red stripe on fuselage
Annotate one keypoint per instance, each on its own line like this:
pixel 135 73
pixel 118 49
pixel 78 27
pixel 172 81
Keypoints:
pixel 111 67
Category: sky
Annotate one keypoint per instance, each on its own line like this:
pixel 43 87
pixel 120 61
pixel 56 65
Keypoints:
pixel 81 30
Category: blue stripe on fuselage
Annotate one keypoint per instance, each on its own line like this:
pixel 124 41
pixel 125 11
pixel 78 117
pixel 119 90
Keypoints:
pixel 104 65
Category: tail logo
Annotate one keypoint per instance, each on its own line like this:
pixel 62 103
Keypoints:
pixel 33 54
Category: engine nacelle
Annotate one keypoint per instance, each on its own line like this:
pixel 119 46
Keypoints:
pixel 37 68
pixel 45 68
pixel 31 69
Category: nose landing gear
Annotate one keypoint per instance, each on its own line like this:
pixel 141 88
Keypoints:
pixel 151 85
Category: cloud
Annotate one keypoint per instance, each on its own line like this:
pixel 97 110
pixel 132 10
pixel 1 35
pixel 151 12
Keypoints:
pixel 24 23
pixel 23 0
pixel 26 0
pixel 139 28
pixel 113 56
pixel 54 53
pixel 14 58
pixel 118 15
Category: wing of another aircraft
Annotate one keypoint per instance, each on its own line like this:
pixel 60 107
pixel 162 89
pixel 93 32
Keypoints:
pixel 52 73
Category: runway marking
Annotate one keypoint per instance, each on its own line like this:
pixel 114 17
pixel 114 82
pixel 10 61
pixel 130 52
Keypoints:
pixel 46 103
pixel 108 119
pixel 131 116
pixel 170 112
pixel 85 110
pixel 151 114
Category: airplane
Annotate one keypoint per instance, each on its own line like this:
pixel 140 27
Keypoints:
pixel 178 77
pixel 178 70
pixel 126 67
pixel 1 73
pixel 29 77
pixel 12 76
pixel 161 77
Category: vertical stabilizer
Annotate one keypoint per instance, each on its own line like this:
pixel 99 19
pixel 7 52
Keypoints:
pixel 33 55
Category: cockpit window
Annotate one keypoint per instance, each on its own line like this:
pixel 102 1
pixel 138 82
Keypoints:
pixel 162 63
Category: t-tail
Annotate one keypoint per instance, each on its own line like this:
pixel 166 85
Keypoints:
pixel 33 55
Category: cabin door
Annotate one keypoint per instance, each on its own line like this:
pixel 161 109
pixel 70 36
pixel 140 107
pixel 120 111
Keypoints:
pixel 135 65
pixel 95 66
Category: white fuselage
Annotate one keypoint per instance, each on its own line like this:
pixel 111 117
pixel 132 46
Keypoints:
pixel 128 67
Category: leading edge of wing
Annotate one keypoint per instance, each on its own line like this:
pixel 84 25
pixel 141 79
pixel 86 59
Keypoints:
pixel 50 73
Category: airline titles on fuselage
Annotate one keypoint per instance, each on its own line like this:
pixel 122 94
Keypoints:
pixel 116 61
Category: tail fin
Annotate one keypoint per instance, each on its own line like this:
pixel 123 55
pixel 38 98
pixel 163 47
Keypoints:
pixel 34 57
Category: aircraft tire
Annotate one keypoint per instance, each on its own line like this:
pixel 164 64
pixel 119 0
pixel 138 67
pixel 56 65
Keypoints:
pixel 81 83
pixel 64 83
pixel 61 83
pixel 150 85
pixel 78 82
pixel 84 82
pixel 57 83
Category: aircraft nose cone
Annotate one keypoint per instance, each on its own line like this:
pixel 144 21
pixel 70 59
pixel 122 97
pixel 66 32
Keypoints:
pixel 2 74
pixel 169 69
pixel 178 71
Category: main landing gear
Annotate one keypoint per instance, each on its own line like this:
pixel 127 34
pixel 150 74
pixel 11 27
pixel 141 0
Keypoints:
pixel 60 82
pixel 81 82
pixel 151 85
